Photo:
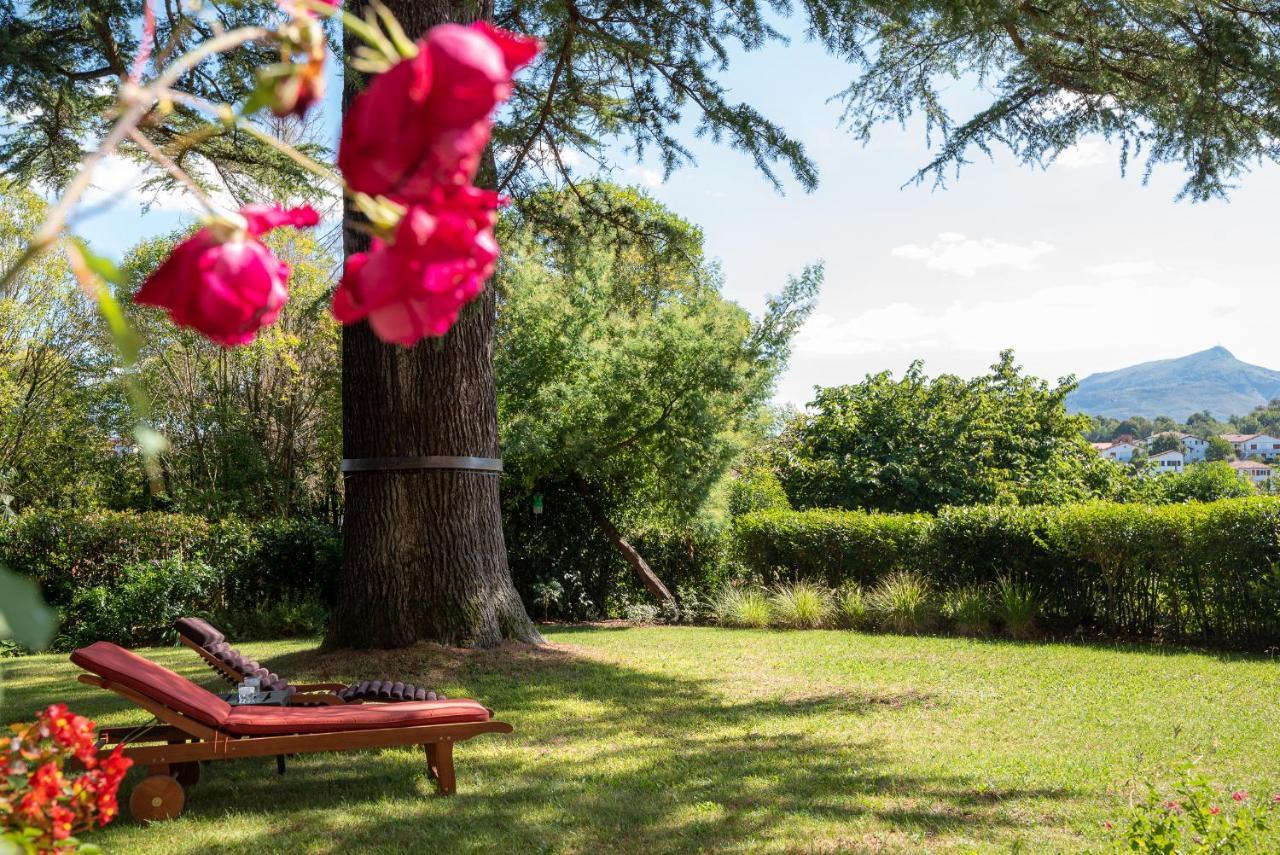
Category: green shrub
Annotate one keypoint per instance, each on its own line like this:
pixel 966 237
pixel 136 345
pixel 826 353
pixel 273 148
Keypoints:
pixel 1203 572
pixel 1198 819
pixel 756 489
pixel 851 607
pixel 741 607
pixel 1016 608
pixel 290 615
pixel 140 606
pixel 903 602
pixel 641 614
pixel 801 605
pixel 831 547
pixel 968 609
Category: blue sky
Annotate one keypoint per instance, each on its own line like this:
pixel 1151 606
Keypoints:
pixel 1075 267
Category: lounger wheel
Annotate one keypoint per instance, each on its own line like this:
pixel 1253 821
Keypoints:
pixel 156 798
pixel 188 773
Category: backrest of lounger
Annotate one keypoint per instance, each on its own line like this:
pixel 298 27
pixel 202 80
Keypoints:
pixel 207 637
pixel 200 631
pixel 153 681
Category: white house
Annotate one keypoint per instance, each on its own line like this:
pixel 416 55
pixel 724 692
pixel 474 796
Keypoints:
pixel 1120 451
pixel 1166 462
pixel 1196 448
pixel 1258 445
pixel 1258 473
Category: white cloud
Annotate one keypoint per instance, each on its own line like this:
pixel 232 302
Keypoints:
pixel 1085 154
pixel 643 175
pixel 955 253
pixel 1049 325
pixel 1126 269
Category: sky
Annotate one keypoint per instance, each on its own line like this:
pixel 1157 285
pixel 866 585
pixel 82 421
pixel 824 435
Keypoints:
pixel 1076 268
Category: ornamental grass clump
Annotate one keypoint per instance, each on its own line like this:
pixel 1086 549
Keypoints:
pixel 801 605
pixel 741 607
pixel 851 608
pixel 1017 608
pixel 969 609
pixel 903 602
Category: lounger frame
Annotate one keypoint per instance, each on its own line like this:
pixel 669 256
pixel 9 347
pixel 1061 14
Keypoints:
pixel 181 741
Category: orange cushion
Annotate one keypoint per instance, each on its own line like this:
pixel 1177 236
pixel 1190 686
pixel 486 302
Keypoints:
pixel 156 682
pixel 265 721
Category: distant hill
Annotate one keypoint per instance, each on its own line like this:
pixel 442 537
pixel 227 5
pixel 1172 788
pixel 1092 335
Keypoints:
pixel 1212 380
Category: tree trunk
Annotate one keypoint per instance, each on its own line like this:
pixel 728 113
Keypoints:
pixel 650 579
pixel 424 557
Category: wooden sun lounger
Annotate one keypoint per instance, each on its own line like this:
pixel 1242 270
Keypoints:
pixel 198 726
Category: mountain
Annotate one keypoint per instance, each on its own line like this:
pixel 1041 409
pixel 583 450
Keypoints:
pixel 1212 380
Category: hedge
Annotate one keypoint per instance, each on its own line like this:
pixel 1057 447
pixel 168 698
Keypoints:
pixel 1204 572
pixel 120 574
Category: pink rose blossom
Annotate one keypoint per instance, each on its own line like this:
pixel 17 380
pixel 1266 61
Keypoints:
pixel 426 121
pixel 414 286
pixel 223 282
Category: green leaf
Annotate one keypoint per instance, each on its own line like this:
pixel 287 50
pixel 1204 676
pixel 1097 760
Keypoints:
pixel 23 615
pixel 104 267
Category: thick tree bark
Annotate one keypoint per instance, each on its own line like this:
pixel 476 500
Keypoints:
pixel 628 552
pixel 424 555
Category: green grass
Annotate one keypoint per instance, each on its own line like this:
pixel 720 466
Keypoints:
pixel 696 739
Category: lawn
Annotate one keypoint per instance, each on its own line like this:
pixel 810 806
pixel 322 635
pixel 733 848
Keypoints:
pixel 693 739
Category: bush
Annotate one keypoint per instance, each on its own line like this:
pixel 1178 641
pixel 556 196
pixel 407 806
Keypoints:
pixel 903 602
pixel 124 575
pixel 756 489
pixel 1198 819
pixel 801 605
pixel 832 547
pixel 1017 608
pixel 1203 572
pixel 741 607
pixel 641 614
pixel 141 605
pixel 851 608
pixel 968 609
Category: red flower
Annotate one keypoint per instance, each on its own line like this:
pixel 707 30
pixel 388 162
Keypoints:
pixel 425 122
pixel 46 783
pixel 62 818
pixel 1215 810
pixel 223 282
pixel 415 286
pixel 1239 795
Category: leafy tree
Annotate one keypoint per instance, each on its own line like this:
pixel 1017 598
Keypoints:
pixel 1200 482
pixel 1133 427
pixel 622 371
pixel 919 443
pixel 255 429
pixel 1204 425
pixel 1219 449
pixel 1165 442
pixel 55 382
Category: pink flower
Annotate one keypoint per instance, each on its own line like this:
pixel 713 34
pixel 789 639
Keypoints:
pixel 426 121
pixel 1215 810
pixel 1239 795
pixel 222 281
pixel 1173 806
pixel 414 286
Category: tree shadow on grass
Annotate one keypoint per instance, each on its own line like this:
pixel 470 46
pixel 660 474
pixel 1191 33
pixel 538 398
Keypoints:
pixel 604 758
